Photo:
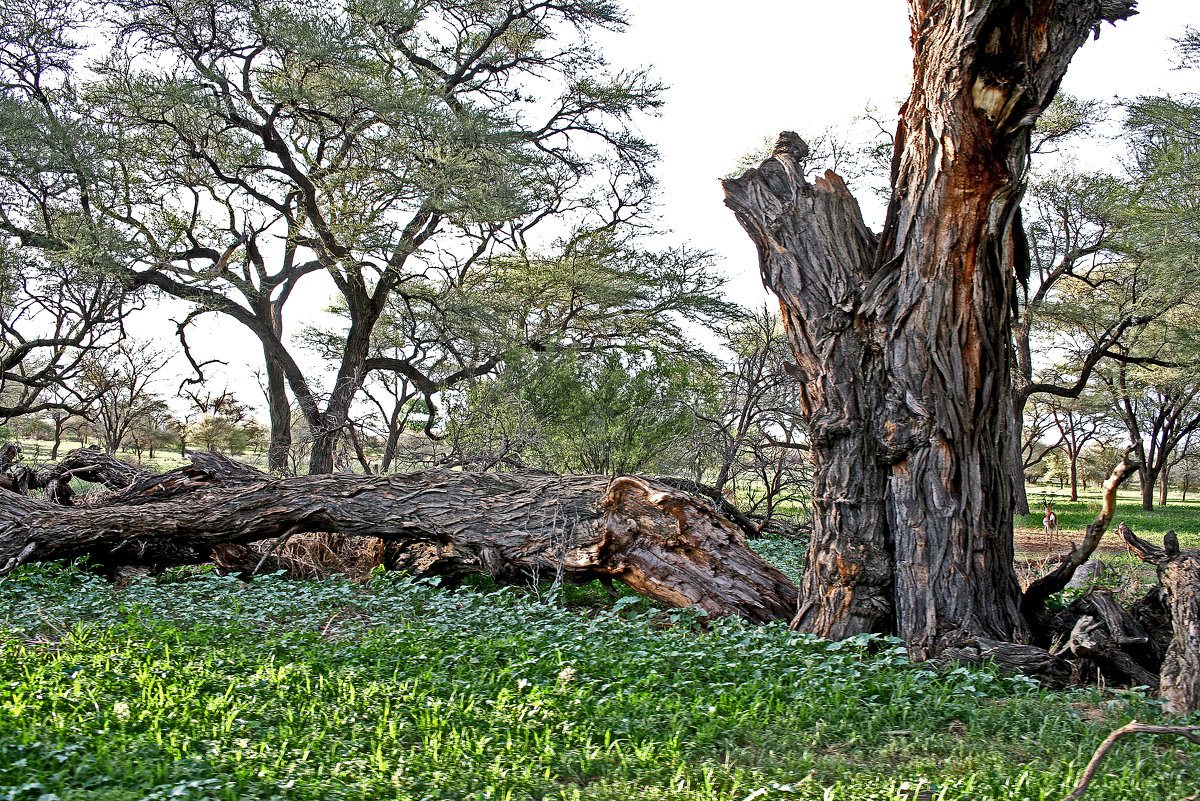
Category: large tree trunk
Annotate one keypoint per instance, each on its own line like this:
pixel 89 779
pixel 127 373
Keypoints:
pixel 1072 468
pixel 1016 457
pixel 815 254
pixel 904 339
pixel 515 527
pixel 1149 478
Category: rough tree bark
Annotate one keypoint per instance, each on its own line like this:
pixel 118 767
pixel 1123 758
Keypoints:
pixel 903 340
pixel 515 527
pixel 1179 576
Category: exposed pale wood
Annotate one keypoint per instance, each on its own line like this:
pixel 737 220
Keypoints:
pixel 516 527
pixel 715 499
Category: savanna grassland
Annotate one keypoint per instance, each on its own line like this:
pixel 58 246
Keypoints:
pixel 197 686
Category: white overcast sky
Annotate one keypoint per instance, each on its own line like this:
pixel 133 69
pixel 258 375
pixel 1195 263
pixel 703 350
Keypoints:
pixel 739 71
pixel 742 70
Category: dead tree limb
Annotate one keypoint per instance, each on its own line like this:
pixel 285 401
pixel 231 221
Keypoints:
pixel 1132 727
pixel 1034 599
pixel 515 527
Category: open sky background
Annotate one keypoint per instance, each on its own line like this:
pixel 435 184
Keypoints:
pixel 738 72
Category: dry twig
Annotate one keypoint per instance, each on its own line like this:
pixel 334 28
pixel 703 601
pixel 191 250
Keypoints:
pixel 1132 727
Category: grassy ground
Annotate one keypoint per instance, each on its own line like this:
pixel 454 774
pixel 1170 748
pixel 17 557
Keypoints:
pixel 1074 516
pixel 35 450
pixel 195 686
pixel 1128 575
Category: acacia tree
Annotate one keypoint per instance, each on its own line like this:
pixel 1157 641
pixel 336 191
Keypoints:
pixel 903 338
pixel 1159 408
pixel 121 382
pixel 1071 240
pixel 1079 421
pixel 58 306
pixel 570 412
pixel 247 145
pixel 596 290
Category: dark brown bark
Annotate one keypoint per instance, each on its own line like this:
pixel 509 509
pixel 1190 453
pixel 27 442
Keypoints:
pixel 816 254
pixel 1179 577
pixel 904 339
pixel 1091 639
pixel 1126 634
pixel 515 527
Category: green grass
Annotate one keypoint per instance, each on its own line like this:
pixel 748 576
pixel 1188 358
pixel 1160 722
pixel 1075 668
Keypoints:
pixel 197 686
pixel 1182 516
pixel 35 450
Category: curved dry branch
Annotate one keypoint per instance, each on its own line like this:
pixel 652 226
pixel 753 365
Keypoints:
pixel 1034 599
pixel 1132 727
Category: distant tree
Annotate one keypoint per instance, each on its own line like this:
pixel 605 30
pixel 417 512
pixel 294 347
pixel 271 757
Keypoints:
pixel 1079 421
pixel 597 290
pixel 81 427
pixel 1159 408
pixel 58 302
pixel 245 147
pixel 122 380
pixel 1186 466
pixel 751 441
pixel 148 430
pixel 578 413
pixel 212 432
pixel 221 422
pixel 1097 460
pixel 58 418
pixel 1039 438
pixel 1177 467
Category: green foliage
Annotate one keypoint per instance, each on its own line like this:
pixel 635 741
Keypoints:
pixel 609 412
pixel 197 686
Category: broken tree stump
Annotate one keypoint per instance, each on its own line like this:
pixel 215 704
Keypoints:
pixel 515 527
pixel 1179 576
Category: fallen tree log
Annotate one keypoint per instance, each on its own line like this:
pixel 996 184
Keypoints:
pixel 514 527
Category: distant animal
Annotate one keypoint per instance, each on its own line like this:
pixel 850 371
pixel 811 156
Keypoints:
pixel 1050 524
